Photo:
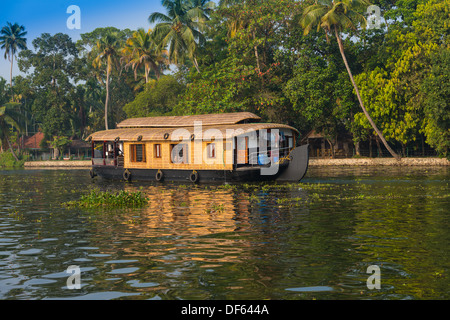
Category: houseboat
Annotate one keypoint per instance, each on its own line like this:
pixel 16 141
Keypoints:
pixel 213 147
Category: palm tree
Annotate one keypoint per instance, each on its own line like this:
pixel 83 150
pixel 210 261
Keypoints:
pixel 9 118
pixel 181 29
pixel 12 39
pixel 202 10
pixel 334 17
pixel 106 53
pixel 141 50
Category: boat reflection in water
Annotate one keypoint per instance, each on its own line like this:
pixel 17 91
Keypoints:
pixel 188 224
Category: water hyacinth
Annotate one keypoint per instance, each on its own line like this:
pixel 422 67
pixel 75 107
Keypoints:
pixel 120 199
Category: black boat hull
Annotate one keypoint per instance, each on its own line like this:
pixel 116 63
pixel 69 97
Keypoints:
pixel 292 171
pixel 242 174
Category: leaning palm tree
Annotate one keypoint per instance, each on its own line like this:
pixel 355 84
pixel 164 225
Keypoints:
pixel 9 118
pixel 12 38
pixel 141 50
pixel 334 17
pixel 181 29
pixel 106 54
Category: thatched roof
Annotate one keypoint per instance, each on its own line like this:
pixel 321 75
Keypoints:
pixel 187 121
pixel 34 142
pixel 179 133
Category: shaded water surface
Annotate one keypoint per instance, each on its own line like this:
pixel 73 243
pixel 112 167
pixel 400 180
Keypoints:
pixel 311 240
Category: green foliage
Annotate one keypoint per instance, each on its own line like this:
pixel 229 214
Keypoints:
pixel 399 94
pixel 180 29
pixel 158 98
pixel 141 50
pixel 321 93
pixel 225 87
pixel 109 199
pixel 436 89
pixel 250 55
pixel 12 38
pixel 52 73
pixel 245 72
pixel 60 143
pixel 7 160
pixel 90 39
pixel 9 121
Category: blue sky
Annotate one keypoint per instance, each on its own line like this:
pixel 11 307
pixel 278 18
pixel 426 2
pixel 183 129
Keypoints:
pixel 50 16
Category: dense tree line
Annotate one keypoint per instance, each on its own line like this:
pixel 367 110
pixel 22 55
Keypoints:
pixel 312 64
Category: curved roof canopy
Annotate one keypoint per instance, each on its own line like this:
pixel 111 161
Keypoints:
pixel 187 121
pixel 183 133
pixel 176 128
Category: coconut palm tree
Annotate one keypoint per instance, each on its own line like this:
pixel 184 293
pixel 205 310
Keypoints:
pixel 333 17
pixel 106 54
pixel 181 28
pixel 202 10
pixel 141 50
pixel 11 40
pixel 9 118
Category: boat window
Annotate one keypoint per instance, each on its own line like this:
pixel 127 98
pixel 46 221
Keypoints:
pixel 179 153
pixel 290 142
pixel 138 153
pixel 211 150
pixel 157 151
pixel 242 150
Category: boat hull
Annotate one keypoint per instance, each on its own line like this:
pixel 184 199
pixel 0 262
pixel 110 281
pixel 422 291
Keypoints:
pixel 292 171
pixel 241 174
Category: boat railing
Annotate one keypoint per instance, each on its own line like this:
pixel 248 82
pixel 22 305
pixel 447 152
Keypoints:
pixel 108 161
pixel 262 158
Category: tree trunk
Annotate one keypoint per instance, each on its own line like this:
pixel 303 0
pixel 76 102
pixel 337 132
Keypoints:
pixel 341 49
pixel 12 150
pixel 380 151
pixel 82 120
pixel 423 147
pixel 107 98
pixel 332 151
pixel 10 77
pixel 256 54
pixel 357 149
pixel 56 153
pixel 196 65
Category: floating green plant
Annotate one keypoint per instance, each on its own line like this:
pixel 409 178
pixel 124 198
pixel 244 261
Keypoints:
pixel 215 208
pixel 120 199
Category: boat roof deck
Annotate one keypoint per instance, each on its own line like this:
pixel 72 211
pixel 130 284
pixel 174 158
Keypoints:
pixel 187 121
pixel 179 133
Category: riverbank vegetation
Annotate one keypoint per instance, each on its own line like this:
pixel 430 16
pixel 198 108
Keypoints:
pixel 341 72
pixel 7 160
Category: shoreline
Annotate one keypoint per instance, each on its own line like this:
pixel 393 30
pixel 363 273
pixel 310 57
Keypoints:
pixel 58 164
pixel 380 162
pixel 356 162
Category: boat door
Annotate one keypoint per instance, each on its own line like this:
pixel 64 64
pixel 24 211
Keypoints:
pixel 242 150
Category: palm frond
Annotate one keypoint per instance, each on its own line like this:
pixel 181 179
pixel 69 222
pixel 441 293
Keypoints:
pixel 158 17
